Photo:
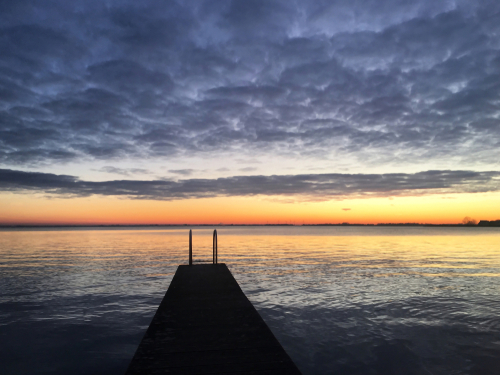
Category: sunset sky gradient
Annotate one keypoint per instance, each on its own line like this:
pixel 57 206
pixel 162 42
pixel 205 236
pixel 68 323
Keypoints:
pixel 249 111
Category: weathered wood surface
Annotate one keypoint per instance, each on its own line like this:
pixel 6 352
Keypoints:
pixel 206 325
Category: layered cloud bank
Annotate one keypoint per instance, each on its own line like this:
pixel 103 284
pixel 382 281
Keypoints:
pixel 302 187
pixel 390 81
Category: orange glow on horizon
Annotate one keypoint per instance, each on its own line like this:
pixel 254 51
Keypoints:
pixel 30 209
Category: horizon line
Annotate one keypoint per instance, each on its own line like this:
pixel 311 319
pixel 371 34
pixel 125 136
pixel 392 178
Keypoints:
pixel 485 223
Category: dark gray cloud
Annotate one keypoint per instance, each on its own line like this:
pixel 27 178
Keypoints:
pixel 182 172
pixel 381 81
pixel 123 171
pixel 247 169
pixel 303 187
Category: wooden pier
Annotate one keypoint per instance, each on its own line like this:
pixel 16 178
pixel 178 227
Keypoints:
pixel 206 325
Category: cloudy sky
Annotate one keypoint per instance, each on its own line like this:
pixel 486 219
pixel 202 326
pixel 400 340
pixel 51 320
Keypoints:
pixel 302 102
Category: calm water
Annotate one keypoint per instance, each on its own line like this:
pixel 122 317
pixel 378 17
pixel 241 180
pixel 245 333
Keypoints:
pixel 342 300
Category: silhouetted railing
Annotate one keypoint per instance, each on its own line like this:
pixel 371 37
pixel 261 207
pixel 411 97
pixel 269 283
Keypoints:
pixel 190 247
pixel 215 247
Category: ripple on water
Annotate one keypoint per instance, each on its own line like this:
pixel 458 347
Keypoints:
pixel 341 300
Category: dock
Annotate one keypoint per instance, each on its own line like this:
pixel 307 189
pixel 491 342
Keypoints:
pixel 206 325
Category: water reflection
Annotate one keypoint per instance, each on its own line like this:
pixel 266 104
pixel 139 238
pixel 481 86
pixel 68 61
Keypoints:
pixel 345 300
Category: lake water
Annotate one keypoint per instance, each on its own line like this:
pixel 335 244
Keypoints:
pixel 341 300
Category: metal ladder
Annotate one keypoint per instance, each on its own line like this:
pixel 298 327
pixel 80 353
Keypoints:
pixel 214 249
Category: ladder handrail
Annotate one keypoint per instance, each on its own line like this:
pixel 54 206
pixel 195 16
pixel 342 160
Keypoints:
pixel 215 249
pixel 214 244
pixel 190 247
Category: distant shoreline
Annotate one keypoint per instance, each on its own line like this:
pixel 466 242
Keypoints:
pixel 34 226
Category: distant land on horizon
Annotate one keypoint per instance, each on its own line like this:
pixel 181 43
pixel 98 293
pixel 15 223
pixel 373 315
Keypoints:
pixel 482 223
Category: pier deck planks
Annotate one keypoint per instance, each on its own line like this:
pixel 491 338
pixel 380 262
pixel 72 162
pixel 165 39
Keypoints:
pixel 206 325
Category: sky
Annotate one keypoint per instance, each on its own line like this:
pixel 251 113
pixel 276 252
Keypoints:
pixel 249 111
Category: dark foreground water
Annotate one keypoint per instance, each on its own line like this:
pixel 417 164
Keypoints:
pixel 341 300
